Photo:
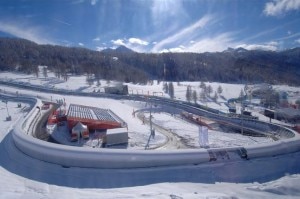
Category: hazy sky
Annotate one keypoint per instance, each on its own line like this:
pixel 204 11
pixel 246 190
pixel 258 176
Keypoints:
pixel 155 25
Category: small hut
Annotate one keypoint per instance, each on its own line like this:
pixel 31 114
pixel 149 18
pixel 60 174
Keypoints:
pixel 79 130
pixel 116 136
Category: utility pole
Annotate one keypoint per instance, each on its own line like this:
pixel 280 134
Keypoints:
pixel 151 130
pixel 242 120
pixel 7 109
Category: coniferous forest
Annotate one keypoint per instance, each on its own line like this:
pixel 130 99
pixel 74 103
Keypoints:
pixel 231 66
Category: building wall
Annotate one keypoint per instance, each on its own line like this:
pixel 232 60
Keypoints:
pixel 93 124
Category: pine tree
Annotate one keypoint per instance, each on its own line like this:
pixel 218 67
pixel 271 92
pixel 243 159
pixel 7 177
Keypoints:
pixel 188 94
pixel 209 90
pixel 171 90
pixel 98 82
pixel 202 85
pixel 65 76
pixel 242 94
pixel 89 80
pixel 45 72
pixel 215 97
pixel 202 95
pixel 195 96
pixel 166 87
pixel 97 78
pixel 220 89
pixel 36 71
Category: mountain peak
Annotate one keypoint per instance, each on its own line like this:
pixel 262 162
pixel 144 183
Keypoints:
pixel 123 49
pixel 240 49
pixel 236 50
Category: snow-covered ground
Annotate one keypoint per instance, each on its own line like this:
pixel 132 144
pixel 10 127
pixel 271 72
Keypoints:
pixel 216 139
pixel 24 177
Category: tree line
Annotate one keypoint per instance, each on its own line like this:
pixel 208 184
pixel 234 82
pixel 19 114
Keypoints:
pixel 128 66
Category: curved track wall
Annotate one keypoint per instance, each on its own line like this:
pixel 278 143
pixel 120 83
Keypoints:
pixel 115 158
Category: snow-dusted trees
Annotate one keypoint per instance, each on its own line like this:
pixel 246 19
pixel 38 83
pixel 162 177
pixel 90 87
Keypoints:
pixel 209 90
pixel 220 90
pixel 89 79
pixel 97 78
pixel 215 97
pixel 36 71
pixel 45 71
pixel 202 95
pixel 195 96
pixel 166 87
pixel 188 93
pixel 242 94
pixel 202 85
pixel 171 90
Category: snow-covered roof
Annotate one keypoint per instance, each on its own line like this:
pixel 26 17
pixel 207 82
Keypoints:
pixel 92 113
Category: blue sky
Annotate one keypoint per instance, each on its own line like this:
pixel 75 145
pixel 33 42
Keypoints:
pixel 155 25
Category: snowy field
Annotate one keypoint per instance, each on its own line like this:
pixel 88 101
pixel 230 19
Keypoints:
pixel 24 177
pixel 216 139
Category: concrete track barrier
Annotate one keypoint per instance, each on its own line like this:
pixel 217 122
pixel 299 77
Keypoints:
pixel 69 156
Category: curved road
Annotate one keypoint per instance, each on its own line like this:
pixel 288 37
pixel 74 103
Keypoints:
pixel 172 140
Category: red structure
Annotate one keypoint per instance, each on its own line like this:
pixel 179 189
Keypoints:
pixel 297 128
pixel 198 120
pixel 57 116
pixel 94 118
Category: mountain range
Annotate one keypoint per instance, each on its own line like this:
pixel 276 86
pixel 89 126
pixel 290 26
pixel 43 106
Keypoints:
pixel 123 64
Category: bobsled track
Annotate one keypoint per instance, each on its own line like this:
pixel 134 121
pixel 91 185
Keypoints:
pixel 288 141
pixel 24 155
